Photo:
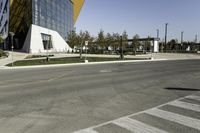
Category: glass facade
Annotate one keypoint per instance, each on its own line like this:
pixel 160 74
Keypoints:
pixel 54 14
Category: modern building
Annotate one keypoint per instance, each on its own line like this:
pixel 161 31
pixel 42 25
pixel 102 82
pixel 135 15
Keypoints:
pixel 38 26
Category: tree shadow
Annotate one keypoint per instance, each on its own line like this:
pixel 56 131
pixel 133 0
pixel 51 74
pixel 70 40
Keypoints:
pixel 181 89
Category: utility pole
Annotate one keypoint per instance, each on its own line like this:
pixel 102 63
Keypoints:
pixel 166 26
pixel 196 38
pixel 182 40
pixel 182 37
pixel 158 32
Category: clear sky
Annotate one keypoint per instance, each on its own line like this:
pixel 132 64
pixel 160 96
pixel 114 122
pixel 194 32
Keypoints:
pixel 141 17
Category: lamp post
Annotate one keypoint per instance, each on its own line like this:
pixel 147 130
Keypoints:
pixel 12 46
pixel 166 26
pixel 182 40
pixel 158 32
pixel 182 37
pixel 196 38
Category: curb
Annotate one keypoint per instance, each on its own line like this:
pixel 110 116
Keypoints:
pixel 80 64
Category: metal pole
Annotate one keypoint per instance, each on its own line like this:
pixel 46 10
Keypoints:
pixel 196 38
pixel 12 54
pixel 182 37
pixel 81 50
pixel 12 47
pixel 121 48
pixel 166 34
pixel 182 40
pixel 158 32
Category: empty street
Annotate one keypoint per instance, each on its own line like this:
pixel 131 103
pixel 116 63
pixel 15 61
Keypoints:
pixel 161 96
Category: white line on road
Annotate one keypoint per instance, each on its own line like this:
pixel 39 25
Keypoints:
pixel 186 105
pixel 194 97
pixel 136 126
pixel 131 115
pixel 184 120
pixel 86 131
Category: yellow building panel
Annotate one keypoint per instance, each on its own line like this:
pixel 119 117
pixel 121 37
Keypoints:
pixel 11 2
pixel 78 4
pixel 77 8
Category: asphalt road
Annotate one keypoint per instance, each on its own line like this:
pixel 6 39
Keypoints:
pixel 68 99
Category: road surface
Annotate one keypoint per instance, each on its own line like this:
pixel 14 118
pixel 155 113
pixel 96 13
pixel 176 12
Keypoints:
pixel 109 98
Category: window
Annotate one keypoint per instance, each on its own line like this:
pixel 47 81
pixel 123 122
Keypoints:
pixel 47 43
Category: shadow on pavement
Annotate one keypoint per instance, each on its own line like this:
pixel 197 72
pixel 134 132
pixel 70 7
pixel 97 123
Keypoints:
pixel 181 89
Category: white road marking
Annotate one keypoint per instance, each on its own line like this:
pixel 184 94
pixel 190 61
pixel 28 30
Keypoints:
pixel 136 126
pixel 86 131
pixel 186 105
pixel 184 120
pixel 194 97
pixel 106 71
pixel 131 115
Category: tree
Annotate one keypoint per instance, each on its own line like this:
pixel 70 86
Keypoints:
pixel 116 41
pixel 101 39
pixel 109 40
pixel 172 44
pixel 125 39
pixel 72 39
pixel 135 43
pixel 147 45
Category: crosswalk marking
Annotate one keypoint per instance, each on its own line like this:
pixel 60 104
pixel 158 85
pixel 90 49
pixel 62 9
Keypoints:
pixel 194 97
pixel 136 126
pixel 184 120
pixel 86 131
pixel 186 105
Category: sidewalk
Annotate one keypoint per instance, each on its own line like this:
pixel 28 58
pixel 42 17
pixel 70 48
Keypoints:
pixel 16 56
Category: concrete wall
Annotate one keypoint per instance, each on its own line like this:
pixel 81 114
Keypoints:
pixel 34 44
pixel 156 46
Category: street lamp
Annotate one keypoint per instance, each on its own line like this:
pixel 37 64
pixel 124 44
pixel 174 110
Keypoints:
pixel 182 40
pixel 196 38
pixel 158 32
pixel 182 37
pixel 12 45
pixel 166 26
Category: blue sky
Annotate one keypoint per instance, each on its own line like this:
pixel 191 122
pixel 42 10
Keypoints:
pixel 141 17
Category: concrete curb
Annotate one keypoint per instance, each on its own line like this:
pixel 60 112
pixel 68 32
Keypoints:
pixel 79 64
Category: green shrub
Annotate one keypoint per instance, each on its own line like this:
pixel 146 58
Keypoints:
pixel 3 54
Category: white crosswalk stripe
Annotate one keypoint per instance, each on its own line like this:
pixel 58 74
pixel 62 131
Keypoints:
pixel 128 123
pixel 184 120
pixel 194 97
pixel 136 126
pixel 186 105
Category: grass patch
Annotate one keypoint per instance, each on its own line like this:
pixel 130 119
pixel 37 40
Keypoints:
pixel 66 60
